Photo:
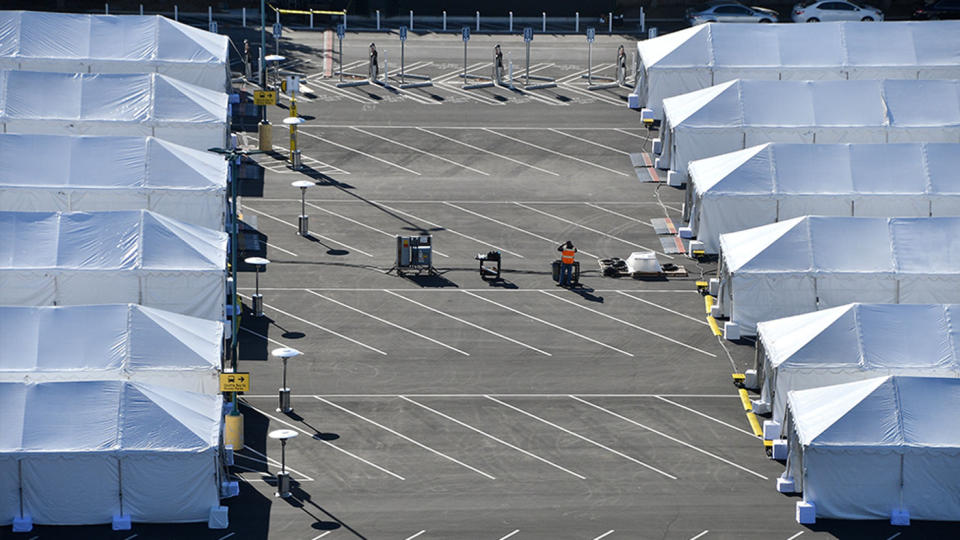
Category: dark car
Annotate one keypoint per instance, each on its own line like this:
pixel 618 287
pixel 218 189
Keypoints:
pixel 938 9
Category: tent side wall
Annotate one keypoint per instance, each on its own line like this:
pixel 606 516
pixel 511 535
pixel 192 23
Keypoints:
pixel 178 487
pixel 849 483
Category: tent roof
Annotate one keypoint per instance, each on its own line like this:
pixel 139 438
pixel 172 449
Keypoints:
pixel 845 245
pixel 32 34
pixel 99 416
pixel 818 169
pixel 147 98
pixel 880 103
pixel 891 412
pixel 107 162
pixel 867 336
pixel 126 240
pixel 833 45
pixel 126 337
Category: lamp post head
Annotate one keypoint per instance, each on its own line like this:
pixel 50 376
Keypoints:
pixel 293 120
pixel 285 352
pixel 302 184
pixel 282 434
pixel 256 261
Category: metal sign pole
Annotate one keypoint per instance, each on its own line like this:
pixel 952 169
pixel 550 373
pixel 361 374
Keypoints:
pixel 341 59
pixel 401 61
pixel 526 77
pixel 589 63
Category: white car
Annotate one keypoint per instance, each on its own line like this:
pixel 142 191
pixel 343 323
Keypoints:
pixel 834 10
pixel 732 12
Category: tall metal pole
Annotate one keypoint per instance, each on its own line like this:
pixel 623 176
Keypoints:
pixel 402 42
pixel 234 248
pixel 263 51
pixel 341 58
pixel 589 63
pixel 526 77
pixel 464 62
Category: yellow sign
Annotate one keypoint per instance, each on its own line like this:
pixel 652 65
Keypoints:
pixel 235 382
pixel 264 97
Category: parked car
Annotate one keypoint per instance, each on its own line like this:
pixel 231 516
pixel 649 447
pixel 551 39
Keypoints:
pixel 938 9
pixel 834 10
pixel 730 12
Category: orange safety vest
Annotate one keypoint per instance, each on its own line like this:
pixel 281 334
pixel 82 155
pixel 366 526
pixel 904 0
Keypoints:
pixel 566 256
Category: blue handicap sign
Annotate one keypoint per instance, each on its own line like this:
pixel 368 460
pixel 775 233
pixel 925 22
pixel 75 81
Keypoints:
pixel 277 30
pixel 466 33
pixel 591 34
pixel 403 33
pixel 341 31
pixel 528 34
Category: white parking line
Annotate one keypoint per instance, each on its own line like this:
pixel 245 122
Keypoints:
pixel 455 75
pixel 501 441
pixel 508 535
pixel 351 220
pixel 624 216
pixel 452 87
pixel 894 536
pixel 801 532
pixel 498 222
pixel 384 321
pixel 595 231
pixel 550 324
pixel 581 139
pixel 538 147
pixel 631 325
pixel 538 395
pixel 424 152
pixel 700 535
pixel 335 447
pixel 625 132
pixel 404 437
pixel 582 438
pixel 224 537
pixel 341 92
pixel 131 537
pixel 468 323
pixel 604 535
pixel 684 315
pixel 317 326
pixel 321 535
pixel 477 148
pixel 328 141
pixel 278 248
pixel 307 160
pixel 707 416
pixel 328 239
pixel 451 231
pixel 411 537
pixel 573 87
pixel 664 435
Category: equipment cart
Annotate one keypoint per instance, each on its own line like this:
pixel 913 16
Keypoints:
pixel 489 265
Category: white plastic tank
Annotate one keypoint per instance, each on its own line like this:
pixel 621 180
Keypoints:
pixel 644 262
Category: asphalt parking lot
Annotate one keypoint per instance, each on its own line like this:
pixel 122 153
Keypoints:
pixel 451 407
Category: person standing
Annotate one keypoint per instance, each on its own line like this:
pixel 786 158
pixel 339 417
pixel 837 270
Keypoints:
pixel 567 254
pixel 497 64
pixel 621 65
pixel 374 66
pixel 247 65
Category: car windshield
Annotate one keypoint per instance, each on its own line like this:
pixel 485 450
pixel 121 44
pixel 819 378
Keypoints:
pixel 702 7
pixel 808 3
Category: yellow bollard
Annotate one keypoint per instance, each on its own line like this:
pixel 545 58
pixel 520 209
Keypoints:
pixel 293 127
pixel 233 431
pixel 266 136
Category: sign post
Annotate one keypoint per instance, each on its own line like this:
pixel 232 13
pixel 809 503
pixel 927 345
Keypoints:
pixel 591 35
pixel 403 40
pixel 341 30
pixel 527 38
pixel 466 37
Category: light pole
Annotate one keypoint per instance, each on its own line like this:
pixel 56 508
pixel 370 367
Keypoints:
pixel 257 297
pixel 283 477
pixel 303 222
pixel 285 353
pixel 293 122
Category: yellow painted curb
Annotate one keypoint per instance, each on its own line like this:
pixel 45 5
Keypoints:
pixel 755 424
pixel 745 400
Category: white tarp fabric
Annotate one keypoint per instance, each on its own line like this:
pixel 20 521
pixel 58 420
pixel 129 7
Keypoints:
pixel 710 54
pixel 742 113
pixel 75 43
pixel 85 451
pixel 110 342
pixel 118 105
pixel 812 263
pixel 777 181
pixel 861 450
pixel 854 342
pixel 67 259
pixel 47 173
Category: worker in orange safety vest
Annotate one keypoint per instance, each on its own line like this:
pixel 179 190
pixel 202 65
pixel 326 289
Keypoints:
pixel 567 252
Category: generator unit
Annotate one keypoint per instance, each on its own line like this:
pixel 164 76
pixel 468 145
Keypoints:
pixel 414 254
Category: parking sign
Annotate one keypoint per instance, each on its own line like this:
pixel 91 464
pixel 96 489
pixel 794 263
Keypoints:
pixel 528 34
pixel 466 33
pixel 277 30
pixel 341 31
pixel 591 34
pixel 403 33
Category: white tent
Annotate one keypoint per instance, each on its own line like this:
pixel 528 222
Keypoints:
pixel 710 54
pixel 866 449
pixel 811 263
pixel 46 173
pixel 131 105
pixel 75 43
pixel 64 259
pixel 742 113
pixel 75 453
pixel 776 181
pixel 855 342
pixel 110 342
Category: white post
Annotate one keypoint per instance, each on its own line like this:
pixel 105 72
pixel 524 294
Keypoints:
pixel 344 19
pixel 244 15
pixel 544 29
pixel 141 9
pixel 311 18
pixel 106 8
pixel 576 22
pixel 511 22
pixel 478 21
pixel 411 19
pixel 278 17
pixel 610 22
pixel 643 20
pixel 209 16
pixel 176 15
pixel 378 19
pixel 444 21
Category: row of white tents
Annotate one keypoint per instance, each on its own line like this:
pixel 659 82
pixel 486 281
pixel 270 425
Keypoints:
pixel 821 163
pixel 112 270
